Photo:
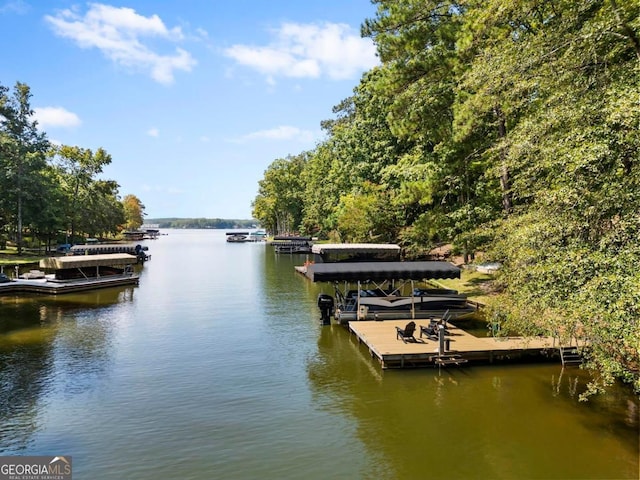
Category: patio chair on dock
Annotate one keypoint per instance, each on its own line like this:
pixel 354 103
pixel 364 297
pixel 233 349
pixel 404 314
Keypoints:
pixel 430 331
pixel 406 334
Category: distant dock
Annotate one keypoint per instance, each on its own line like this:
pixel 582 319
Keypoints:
pixel 383 345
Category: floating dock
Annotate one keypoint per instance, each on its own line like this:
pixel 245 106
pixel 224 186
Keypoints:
pixel 52 287
pixel 381 340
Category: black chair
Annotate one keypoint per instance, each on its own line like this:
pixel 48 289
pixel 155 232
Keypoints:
pixel 406 334
pixel 429 331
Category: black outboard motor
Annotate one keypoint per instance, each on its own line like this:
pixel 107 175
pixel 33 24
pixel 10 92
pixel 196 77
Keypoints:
pixel 325 304
pixel 142 257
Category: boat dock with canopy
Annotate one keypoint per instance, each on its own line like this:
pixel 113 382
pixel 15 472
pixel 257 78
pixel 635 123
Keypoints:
pixel 292 244
pixel 355 252
pixel 78 273
pixel 104 248
pixel 381 290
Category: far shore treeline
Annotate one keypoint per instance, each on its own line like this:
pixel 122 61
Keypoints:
pixel 507 128
pixel 219 223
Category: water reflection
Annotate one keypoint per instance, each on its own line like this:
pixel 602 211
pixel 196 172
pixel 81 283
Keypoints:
pixel 25 372
pixel 49 347
pixel 499 421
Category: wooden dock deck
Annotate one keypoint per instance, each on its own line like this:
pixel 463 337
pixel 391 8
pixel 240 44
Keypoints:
pixel 382 343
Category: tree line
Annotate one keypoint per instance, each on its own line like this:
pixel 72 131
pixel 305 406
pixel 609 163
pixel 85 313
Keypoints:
pixel 53 193
pixel 511 128
pixel 202 223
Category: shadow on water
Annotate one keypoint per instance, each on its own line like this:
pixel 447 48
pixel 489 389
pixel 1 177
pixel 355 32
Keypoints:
pixel 27 311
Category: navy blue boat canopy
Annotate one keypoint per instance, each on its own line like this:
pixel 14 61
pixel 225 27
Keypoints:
pixel 380 271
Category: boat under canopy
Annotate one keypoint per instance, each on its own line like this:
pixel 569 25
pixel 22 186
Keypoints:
pixel 382 291
pixel 77 274
pixel 381 271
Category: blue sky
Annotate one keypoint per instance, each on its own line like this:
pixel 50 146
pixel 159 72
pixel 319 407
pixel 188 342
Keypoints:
pixel 193 99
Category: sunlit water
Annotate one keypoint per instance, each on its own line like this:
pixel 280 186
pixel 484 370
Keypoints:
pixel 216 366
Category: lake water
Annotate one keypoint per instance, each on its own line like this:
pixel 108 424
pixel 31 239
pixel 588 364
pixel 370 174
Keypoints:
pixel 216 367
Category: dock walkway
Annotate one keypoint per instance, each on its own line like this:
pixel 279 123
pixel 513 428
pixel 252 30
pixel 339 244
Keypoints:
pixel 382 343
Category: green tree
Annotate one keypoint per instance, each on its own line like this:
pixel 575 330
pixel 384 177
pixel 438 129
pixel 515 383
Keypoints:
pixel 46 211
pixel 444 181
pixel 279 203
pixel 367 216
pixel 102 212
pixel 359 149
pixel 22 153
pixel 78 169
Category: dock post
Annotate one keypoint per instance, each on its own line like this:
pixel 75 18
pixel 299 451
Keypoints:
pixel 441 340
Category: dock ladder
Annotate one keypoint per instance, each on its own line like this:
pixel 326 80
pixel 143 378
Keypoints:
pixel 570 355
pixel 450 359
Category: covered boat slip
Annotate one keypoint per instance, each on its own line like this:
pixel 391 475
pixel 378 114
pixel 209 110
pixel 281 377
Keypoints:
pixel 292 244
pixel 137 250
pixel 381 340
pixel 91 270
pixel 381 290
pixel 90 264
pixel 355 252
pixel 78 273
pixel 104 248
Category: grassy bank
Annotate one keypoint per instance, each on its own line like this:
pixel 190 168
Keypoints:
pixel 10 256
pixel 477 286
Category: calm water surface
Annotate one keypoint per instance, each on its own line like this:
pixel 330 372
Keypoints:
pixel 216 366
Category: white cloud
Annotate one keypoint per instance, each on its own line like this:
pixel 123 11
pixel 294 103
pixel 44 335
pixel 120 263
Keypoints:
pixel 55 117
pixel 309 51
pixel 283 132
pixel 19 7
pixel 153 132
pixel 119 33
pixel 202 33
